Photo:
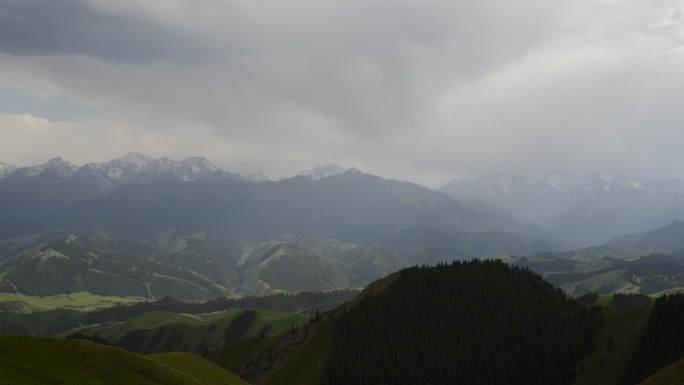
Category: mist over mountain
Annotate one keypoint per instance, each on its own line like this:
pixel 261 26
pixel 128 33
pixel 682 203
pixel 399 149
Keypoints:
pixel 330 228
pixel 322 171
pixel 27 192
pixel 584 209
pixel 667 239
pixel 130 168
pixel 566 208
pixel 352 206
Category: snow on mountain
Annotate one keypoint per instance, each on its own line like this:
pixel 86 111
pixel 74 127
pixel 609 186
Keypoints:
pixel 139 168
pixel 132 167
pixel 6 169
pixel 322 172
pixel 194 168
pixel 588 209
pixel 56 165
pixel 569 187
pixel 120 169
pixel 256 177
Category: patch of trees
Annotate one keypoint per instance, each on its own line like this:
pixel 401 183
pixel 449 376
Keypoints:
pixel 570 277
pixel 476 322
pixel 58 321
pixel 92 338
pixel 625 301
pixel 656 272
pixel 239 326
pixel 11 306
pixel 662 341
pixel 587 299
pixel 6 286
pixel 42 324
pixel 547 264
pixel 265 331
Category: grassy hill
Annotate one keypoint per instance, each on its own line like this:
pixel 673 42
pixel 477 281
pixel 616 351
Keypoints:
pixel 615 344
pixel 304 356
pixel 74 264
pixel 33 360
pixel 397 330
pixel 81 301
pixel 162 331
pixel 608 271
pixel 286 267
pixel 198 368
pixel 672 375
pixel 298 356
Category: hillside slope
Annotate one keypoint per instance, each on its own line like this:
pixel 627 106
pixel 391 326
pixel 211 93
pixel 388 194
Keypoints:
pixel 467 322
pixel 33 360
pixel 73 264
pixel 668 238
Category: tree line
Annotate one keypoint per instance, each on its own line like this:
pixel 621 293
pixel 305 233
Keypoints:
pixel 662 341
pixel 473 322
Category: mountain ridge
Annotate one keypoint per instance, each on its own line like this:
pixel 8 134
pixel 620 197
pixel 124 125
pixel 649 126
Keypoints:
pixel 132 167
pixel 588 209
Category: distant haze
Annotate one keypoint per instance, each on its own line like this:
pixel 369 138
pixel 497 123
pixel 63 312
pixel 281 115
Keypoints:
pixel 420 91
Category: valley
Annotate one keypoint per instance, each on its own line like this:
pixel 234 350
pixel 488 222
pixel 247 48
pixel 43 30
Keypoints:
pixel 260 281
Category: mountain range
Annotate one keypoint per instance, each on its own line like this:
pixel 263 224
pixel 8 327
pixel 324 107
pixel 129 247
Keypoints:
pixel 73 264
pixel 130 168
pixel 143 229
pixel 323 229
pixel 467 322
pixel 585 210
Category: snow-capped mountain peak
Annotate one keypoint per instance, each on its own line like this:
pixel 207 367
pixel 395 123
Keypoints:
pixel 256 177
pixel 322 172
pixel 6 169
pixel 194 167
pixel 134 166
pixel 56 165
pixel 134 161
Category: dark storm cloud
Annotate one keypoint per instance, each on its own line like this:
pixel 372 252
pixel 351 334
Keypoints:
pixel 71 27
pixel 422 91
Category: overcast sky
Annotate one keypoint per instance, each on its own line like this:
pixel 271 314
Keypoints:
pixel 423 91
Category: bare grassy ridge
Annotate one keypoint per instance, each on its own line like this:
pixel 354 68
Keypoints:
pixel 157 331
pixel 209 374
pixel 615 344
pixel 34 360
pixel 672 375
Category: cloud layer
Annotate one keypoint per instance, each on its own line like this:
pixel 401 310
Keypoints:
pixel 421 91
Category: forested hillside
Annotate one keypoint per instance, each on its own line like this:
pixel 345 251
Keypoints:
pixel 478 322
pixel 662 342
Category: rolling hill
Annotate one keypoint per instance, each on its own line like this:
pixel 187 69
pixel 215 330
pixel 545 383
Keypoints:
pixel 159 332
pixel 417 325
pixel 73 264
pixel 33 360
pixel 665 239
pixel 222 229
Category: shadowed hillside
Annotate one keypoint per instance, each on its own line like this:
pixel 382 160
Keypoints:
pixel 32 360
